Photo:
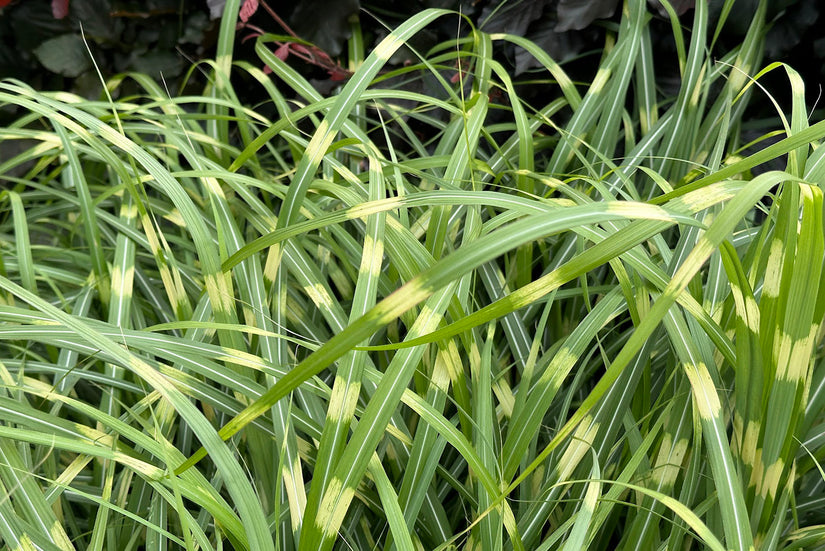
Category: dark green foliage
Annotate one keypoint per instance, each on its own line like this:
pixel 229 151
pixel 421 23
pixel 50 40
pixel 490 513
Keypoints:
pixel 155 37
pixel 164 36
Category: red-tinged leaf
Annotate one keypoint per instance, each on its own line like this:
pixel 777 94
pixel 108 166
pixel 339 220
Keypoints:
pixel 60 8
pixel 300 49
pixel 337 74
pixel 4 3
pixel 248 9
pixel 282 52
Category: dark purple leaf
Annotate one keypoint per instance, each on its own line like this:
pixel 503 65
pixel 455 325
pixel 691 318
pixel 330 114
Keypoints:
pixel 681 6
pixel 512 17
pixel 789 30
pixel 97 23
pixel 578 14
pixel 560 45
pixel 325 23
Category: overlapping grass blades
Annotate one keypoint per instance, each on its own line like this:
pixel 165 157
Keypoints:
pixel 392 320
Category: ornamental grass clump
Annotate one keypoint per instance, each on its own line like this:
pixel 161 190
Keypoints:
pixel 387 319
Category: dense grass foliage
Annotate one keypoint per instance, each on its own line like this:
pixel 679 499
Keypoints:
pixel 396 320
